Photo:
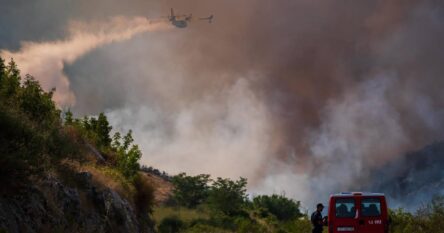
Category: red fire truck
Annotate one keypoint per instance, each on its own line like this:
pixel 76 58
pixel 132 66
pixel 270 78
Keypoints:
pixel 358 212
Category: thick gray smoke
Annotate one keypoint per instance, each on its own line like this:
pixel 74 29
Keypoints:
pixel 306 97
pixel 35 58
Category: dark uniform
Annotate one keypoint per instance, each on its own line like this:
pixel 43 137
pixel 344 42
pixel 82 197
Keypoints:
pixel 316 221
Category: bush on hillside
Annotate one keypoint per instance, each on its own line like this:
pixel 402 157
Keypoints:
pixel 128 154
pixel 171 224
pixel 227 196
pixel 32 136
pixel 121 151
pixel 143 200
pixel 190 191
pixel 144 195
pixel 428 218
pixel 280 206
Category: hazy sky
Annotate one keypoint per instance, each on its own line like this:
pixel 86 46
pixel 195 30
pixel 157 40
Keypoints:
pixel 306 97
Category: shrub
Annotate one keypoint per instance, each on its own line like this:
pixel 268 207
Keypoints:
pixel 32 137
pixel 144 195
pixel 171 224
pixel 283 208
pixel 37 103
pixel 296 225
pixel 204 228
pixel 401 221
pixel 102 129
pixel 128 155
pixel 428 218
pixel 143 200
pixel 17 150
pixel 190 191
pixel 246 225
pixel 9 80
pixel 227 196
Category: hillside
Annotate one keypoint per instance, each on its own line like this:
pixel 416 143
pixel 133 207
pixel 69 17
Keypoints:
pixel 163 188
pixel 61 174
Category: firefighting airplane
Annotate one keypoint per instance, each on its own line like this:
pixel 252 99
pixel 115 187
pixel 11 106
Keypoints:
pixel 181 21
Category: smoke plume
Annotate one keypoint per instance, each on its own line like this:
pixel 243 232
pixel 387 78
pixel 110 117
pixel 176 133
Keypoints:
pixel 47 60
pixel 411 180
pixel 224 131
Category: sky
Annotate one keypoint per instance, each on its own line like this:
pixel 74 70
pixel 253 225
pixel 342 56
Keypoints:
pixel 302 97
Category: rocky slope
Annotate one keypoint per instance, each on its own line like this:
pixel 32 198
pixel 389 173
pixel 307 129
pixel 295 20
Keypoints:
pixel 50 205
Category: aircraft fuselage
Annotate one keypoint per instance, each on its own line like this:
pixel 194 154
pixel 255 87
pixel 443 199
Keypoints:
pixel 180 23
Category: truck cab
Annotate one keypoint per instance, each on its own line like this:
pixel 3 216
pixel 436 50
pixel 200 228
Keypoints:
pixel 357 212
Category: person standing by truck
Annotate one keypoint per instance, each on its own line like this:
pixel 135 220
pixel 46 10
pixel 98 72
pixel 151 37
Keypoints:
pixel 316 219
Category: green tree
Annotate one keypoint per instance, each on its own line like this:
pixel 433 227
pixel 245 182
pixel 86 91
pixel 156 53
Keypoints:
pixel 227 196
pixel 69 120
pixel 143 200
pixel 437 215
pixel 402 221
pixel 31 135
pixel 430 217
pixel 128 154
pixel 127 140
pixel 85 123
pixel 97 130
pixel 172 224
pixel 2 71
pixel 280 206
pixel 21 147
pixel 36 102
pixel 129 163
pixel 427 218
pixel 102 128
pixel 10 81
pixel 190 191
pixel 116 141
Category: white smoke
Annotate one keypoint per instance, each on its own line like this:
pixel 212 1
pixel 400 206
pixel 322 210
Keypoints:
pixel 46 60
pixel 227 133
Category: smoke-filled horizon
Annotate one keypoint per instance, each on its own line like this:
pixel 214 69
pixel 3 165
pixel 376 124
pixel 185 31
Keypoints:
pixel 302 97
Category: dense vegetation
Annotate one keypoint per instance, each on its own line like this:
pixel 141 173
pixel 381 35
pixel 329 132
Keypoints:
pixel 428 218
pixel 200 204
pixel 222 205
pixel 36 138
pixel 32 138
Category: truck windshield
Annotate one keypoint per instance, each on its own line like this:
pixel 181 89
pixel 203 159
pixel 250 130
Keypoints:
pixel 371 207
pixel 345 208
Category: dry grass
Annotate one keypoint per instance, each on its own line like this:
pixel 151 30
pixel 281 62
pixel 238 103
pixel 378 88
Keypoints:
pixel 162 188
pixel 144 196
pixel 106 177
pixel 143 192
pixel 185 214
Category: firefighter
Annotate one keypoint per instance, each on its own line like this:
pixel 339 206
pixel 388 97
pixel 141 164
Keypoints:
pixel 316 219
